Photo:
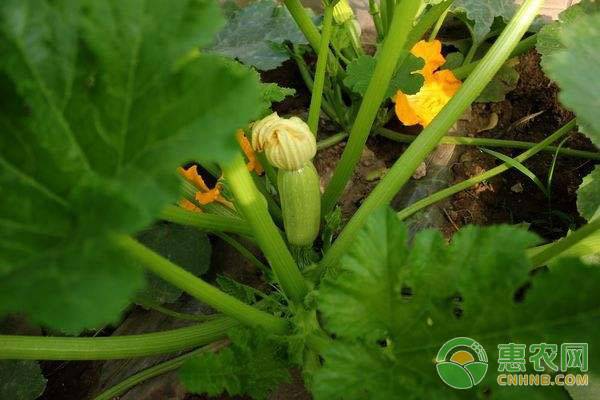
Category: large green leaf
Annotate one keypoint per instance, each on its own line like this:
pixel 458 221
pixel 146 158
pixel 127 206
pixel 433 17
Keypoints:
pixel 360 72
pixel 588 195
pixel 183 245
pixel 482 13
pixel 101 102
pixel 575 69
pixel 252 365
pixel 549 37
pixel 21 380
pixel 393 305
pixel 255 33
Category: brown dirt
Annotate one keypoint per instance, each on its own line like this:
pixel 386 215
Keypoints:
pixel 512 197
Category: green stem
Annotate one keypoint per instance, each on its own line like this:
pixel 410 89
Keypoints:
pixel 404 167
pixel 586 247
pixel 442 194
pixel 378 85
pixel 156 370
pixel 206 221
pixel 390 6
pixel 354 38
pixel 198 288
pixel 469 141
pixel 331 140
pixel 304 22
pixel 247 254
pixel 320 70
pixel 308 81
pixel 438 25
pixel 261 185
pixel 113 347
pixel 376 15
pixel 254 207
pixel 524 46
pixel 471 52
pixel 426 21
pixel 564 244
pixel 151 305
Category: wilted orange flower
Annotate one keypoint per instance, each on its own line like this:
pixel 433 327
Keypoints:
pixel 438 87
pixel 253 163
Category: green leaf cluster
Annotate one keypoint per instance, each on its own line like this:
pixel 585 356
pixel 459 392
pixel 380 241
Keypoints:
pixel 393 304
pixel 253 365
pixel 360 71
pixel 102 100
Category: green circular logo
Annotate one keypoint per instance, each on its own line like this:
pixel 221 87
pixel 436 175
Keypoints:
pixel 461 363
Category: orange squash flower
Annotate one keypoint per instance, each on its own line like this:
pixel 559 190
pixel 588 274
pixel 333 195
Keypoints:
pixel 205 195
pixel 438 87
pixel 253 163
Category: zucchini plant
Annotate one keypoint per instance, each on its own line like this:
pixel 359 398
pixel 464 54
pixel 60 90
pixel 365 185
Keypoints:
pixel 105 101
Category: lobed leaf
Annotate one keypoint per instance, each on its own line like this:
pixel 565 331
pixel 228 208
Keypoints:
pixel 483 13
pixel 393 305
pixel 103 102
pixel 574 69
pixel 255 33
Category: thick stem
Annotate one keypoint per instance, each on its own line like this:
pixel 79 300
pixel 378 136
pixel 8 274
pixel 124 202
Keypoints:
pixel 376 15
pixel 320 71
pixel 156 370
pixel 374 95
pixel 114 347
pixel 558 247
pixel 254 207
pixel 206 221
pixel 442 194
pixel 487 142
pixel 198 288
pixel 404 167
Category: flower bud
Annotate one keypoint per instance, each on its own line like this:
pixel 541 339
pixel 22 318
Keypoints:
pixel 342 12
pixel 288 143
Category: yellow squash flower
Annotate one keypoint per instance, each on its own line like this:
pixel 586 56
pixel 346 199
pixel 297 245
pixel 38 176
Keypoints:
pixel 438 87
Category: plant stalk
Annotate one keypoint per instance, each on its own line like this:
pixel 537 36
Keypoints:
pixel 113 347
pixel 198 288
pixel 314 110
pixel 254 207
pixel 391 51
pixel 206 221
pixel 444 193
pixel 564 244
pixel 404 167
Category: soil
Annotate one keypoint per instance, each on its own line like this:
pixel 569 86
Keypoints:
pixel 510 198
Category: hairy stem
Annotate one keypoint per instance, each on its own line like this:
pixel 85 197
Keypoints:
pixel 404 167
pixel 320 71
pixel 113 347
pixel 442 194
pixel 253 206
pixel 198 288
pixel 374 95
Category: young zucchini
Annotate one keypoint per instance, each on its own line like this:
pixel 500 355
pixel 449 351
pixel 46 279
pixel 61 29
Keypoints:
pixel 290 146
